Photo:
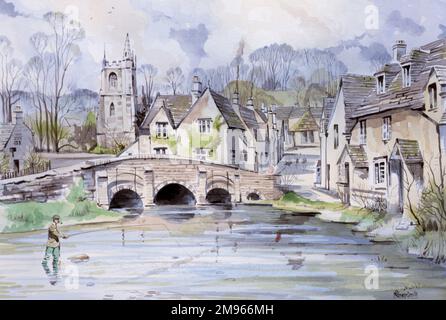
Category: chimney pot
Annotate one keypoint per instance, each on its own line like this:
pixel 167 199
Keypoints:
pixel 196 88
pixel 399 49
pixel 17 117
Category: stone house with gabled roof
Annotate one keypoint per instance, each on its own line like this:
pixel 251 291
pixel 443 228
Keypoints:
pixel 337 123
pixel 289 117
pixel 16 141
pixel 306 131
pixel 207 126
pixel 400 131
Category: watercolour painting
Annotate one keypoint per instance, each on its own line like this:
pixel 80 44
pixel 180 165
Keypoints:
pixel 222 150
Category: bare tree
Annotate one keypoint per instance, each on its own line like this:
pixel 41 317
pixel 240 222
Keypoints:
pixel 174 79
pixel 298 84
pixel 148 73
pixel 48 74
pixel 11 79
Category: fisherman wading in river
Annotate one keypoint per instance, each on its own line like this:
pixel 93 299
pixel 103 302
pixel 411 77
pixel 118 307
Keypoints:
pixel 53 248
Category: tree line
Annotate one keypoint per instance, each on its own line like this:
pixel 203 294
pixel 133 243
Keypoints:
pixel 273 67
pixel 46 77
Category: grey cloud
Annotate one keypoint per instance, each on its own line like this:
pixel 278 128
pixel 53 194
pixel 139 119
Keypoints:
pixel 8 9
pixel 158 16
pixel 375 52
pixel 192 41
pixel 442 35
pixel 404 24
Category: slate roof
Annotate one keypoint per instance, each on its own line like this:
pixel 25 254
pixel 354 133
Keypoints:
pixel 249 117
pixel 262 115
pixel 428 58
pixel 357 155
pixel 306 123
pixel 355 89
pixel 327 109
pixel 440 71
pixel 443 118
pixel 5 134
pixel 296 112
pixel 176 108
pixel 409 150
pixel 232 119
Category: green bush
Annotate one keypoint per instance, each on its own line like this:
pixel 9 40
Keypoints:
pixel 104 150
pixel 77 193
pixel 28 216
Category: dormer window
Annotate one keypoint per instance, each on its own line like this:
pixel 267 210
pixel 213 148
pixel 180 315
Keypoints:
pixel 406 76
pixel 380 84
pixel 432 89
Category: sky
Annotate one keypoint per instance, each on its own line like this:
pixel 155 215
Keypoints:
pixel 206 33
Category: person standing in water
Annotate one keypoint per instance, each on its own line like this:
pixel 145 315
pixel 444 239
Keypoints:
pixel 53 247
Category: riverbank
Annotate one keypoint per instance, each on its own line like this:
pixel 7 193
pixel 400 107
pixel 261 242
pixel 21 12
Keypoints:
pixel 362 219
pixel 378 227
pixel 74 209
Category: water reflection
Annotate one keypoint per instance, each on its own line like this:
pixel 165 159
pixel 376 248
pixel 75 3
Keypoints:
pixel 182 252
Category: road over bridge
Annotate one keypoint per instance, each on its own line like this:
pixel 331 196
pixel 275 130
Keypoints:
pixel 141 181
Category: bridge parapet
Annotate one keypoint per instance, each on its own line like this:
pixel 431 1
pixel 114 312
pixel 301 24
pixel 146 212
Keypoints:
pixel 146 176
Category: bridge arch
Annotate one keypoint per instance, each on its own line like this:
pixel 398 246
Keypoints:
pixel 126 198
pixel 253 195
pixel 174 193
pixel 218 196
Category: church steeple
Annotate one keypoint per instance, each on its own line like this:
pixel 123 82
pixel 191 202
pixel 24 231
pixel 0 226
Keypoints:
pixel 127 50
pixel 104 60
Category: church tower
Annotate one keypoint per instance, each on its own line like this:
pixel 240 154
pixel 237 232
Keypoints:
pixel 118 100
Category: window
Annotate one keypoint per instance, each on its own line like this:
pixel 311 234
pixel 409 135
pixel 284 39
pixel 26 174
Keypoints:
pixel 380 84
pixel 433 95
pixel 245 155
pixel 304 138
pixel 204 125
pixel 362 132
pixel 406 76
pixel 386 129
pixel 311 136
pixel 160 150
pixel 161 130
pixel 380 171
pixel 233 151
pixel 113 80
pixel 202 154
pixel 336 136
pixel 112 109
pixel 307 137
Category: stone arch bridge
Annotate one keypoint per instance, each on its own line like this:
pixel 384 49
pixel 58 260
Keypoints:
pixel 146 180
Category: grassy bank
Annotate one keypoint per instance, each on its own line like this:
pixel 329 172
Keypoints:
pixel 29 216
pixel 363 219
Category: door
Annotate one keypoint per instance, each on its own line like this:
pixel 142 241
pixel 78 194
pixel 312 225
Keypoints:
pixel 347 183
pixel 400 185
pixel 327 178
pixel 16 165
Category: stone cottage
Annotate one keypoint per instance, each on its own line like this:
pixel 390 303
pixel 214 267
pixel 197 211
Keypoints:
pixel 16 141
pixel 396 142
pixel 205 125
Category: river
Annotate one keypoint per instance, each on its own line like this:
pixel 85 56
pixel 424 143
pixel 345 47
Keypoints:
pixel 244 252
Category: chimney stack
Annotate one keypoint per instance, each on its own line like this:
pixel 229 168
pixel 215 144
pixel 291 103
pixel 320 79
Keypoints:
pixel 399 50
pixel 196 88
pixel 250 104
pixel 17 116
pixel 235 102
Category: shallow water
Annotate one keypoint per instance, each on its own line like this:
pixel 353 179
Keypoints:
pixel 247 252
